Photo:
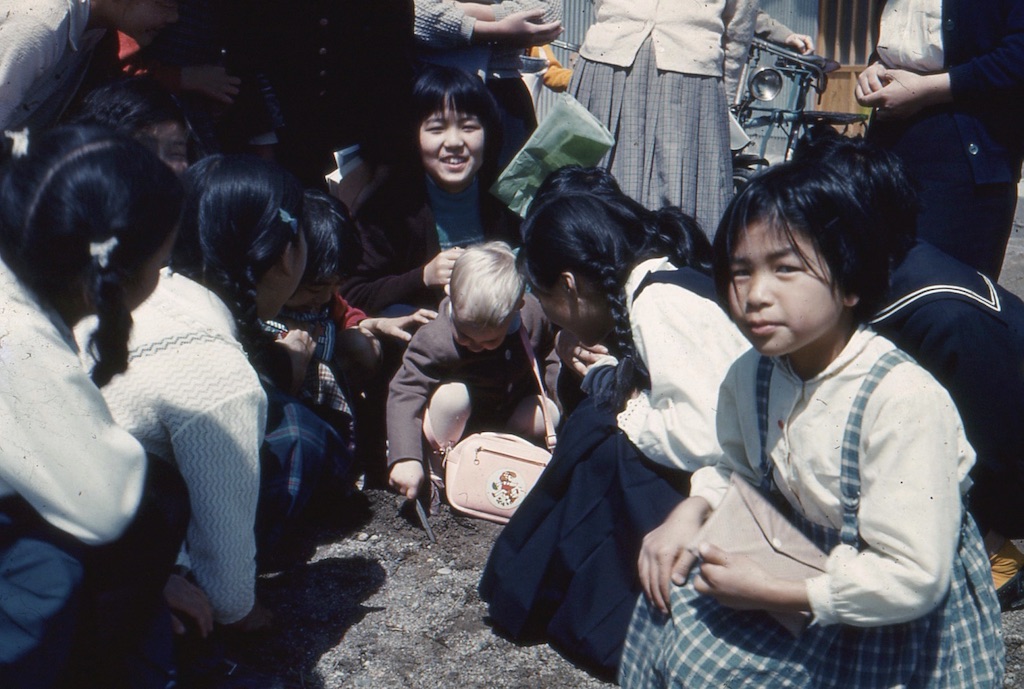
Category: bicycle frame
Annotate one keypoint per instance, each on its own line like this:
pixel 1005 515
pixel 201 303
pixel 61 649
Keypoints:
pixel 774 85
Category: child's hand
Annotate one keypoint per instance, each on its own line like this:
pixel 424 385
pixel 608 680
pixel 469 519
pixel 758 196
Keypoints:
pixel 664 559
pixel 300 348
pixel 740 583
pixel 188 602
pixel 407 477
pixel 576 355
pixel 256 620
pixel 438 272
pixel 212 81
pixel 401 327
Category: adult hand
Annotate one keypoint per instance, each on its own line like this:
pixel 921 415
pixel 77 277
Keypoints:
pixel 802 43
pixel 576 355
pixel 256 620
pixel 870 81
pixel 400 327
pixel 903 93
pixel 212 81
pixel 438 272
pixel 187 601
pixel 664 558
pixel 519 29
pixel 406 477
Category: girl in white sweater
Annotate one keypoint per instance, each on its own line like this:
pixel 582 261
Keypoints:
pixel 192 395
pixel 86 220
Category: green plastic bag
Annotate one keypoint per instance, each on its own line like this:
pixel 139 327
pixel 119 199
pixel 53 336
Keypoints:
pixel 569 135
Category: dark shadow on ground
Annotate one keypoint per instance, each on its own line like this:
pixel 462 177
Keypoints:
pixel 314 605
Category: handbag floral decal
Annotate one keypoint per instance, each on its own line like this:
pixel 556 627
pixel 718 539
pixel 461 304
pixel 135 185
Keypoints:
pixel 505 488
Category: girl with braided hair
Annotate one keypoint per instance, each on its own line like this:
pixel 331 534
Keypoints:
pixel 199 392
pixel 611 272
pixel 89 526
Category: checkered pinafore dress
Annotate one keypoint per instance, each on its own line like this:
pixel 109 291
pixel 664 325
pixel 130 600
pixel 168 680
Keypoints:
pixel 704 644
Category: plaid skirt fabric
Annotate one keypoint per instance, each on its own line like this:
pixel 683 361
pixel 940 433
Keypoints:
pixel 671 132
pixel 704 644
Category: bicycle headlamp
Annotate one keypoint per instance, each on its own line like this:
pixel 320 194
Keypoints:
pixel 765 84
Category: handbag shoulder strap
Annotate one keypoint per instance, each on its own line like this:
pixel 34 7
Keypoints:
pixel 765 366
pixel 849 472
pixel 549 429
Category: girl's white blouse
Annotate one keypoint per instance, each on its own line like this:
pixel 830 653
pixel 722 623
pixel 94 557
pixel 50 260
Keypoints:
pixel 688 344
pixel 914 463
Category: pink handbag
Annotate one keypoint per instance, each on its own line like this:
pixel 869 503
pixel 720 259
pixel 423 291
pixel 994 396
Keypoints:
pixel 487 475
pixel 746 523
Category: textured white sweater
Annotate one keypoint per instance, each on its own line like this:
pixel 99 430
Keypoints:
pixel 191 396
pixel 59 447
pixel 44 52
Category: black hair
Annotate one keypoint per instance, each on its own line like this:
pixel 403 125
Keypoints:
pixel 441 89
pixel 602 236
pixel 133 105
pixel 880 179
pixel 576 178
pixel 241 213
pixel 85 207
pixel 829 206
pixel 334 248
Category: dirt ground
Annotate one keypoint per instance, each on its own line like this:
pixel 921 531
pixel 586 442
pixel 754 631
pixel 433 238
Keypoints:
pixel 375 604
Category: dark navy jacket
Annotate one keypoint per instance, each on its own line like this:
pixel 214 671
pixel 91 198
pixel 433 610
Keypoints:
pixel 969 333
pixel 983 43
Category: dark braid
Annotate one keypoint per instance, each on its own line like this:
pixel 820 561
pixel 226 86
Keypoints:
pixel 240 296
pixel 241 215
pixel 109 343
pixel 631 372
pixel 81 213
pixel 581 222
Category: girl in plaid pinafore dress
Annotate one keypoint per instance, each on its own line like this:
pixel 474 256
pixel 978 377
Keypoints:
pixel 863 450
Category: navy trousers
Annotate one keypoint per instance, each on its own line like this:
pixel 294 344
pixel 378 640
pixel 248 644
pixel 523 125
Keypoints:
pixel 70 611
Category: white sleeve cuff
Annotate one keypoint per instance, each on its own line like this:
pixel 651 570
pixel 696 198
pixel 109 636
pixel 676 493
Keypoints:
pixel 466 30
pixel 821 600
pixel 631 419
pixel 819 589
pixel 709 483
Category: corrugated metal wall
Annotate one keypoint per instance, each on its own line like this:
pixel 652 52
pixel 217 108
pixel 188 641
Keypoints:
pixel 799 15
pixel 577 16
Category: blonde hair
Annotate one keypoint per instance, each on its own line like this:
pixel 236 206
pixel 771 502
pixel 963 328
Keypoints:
pixel 486 286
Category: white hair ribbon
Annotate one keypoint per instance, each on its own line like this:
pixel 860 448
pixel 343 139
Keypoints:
pixel 19 141
pixel 100 251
